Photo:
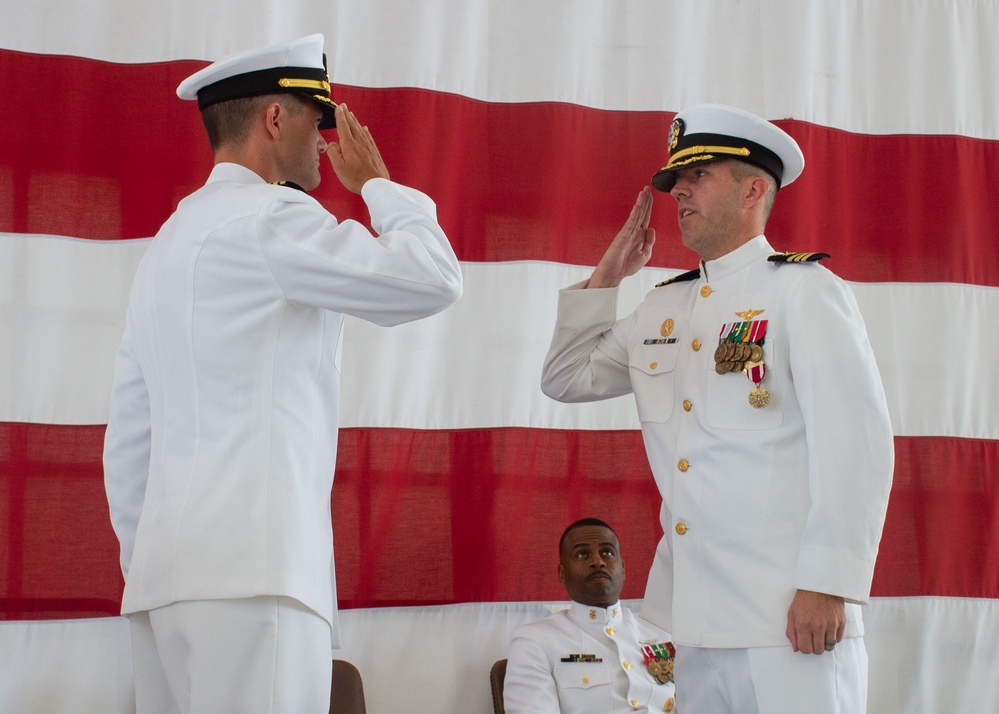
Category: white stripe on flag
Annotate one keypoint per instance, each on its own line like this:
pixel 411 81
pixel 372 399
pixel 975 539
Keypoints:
pixel 62 312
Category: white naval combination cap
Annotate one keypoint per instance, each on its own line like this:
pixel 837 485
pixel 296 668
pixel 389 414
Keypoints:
pixel 710 132
pixel 294 67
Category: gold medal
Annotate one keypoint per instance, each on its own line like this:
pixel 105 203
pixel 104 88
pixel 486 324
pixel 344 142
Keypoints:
pixel 759 397
pixel 661 671
pixel 720 353
pixel 755 353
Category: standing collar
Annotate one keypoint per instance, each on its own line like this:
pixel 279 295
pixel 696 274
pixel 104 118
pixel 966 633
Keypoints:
pixel 602 616
pixel 755 249
pixel 227 171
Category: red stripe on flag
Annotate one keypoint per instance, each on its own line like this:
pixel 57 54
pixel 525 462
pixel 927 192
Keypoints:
pixel 58 552
pixel 110 152
pixel 425 517
pixel 941 536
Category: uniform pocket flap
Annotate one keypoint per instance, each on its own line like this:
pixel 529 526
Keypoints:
pixel 582 675
pixel 653 359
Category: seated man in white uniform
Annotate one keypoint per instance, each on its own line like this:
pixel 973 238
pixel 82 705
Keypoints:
pixel 596 656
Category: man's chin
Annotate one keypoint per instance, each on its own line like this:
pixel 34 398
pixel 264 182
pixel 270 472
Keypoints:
pixel 600 590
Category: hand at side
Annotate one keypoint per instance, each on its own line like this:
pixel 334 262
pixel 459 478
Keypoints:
pixel 813 620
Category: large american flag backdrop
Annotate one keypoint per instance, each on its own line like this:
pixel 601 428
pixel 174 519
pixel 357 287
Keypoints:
pixel 532 125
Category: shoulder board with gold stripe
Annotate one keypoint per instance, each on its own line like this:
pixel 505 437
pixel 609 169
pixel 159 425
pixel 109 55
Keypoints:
pixel 289 184
pixel 682 277
pixel 797 257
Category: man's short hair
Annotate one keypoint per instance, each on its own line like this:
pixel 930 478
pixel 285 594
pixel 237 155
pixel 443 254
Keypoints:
pixel 744 169
pixel 583 522
pixel 229 122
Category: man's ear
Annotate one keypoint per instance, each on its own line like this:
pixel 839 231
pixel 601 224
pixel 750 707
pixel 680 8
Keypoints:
pixel 561 574
pixel 273 118
pixel 756 191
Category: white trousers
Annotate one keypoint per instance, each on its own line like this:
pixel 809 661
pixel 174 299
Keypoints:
pixel 261 655
pixel 772 680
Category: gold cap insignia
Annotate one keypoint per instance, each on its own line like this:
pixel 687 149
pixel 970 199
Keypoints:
pixel 675 132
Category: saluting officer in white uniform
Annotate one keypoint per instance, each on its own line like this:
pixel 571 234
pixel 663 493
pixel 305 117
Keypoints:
pixel 765 423
pixel 221 443
pixel 596 655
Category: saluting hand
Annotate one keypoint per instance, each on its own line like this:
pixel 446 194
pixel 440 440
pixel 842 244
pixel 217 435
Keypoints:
pixel 631 248
pixel 355 158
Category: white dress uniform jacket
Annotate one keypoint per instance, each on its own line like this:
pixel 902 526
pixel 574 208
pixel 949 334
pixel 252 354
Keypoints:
pixel 539 682
pixel 221 443
pixel 757 502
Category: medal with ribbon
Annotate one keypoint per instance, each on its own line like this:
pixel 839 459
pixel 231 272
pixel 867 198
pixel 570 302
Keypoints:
pixel 659 660
pixel 740 349
pixel 758 397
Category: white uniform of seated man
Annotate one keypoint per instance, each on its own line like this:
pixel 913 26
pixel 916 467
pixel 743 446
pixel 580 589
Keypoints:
pixel 596 655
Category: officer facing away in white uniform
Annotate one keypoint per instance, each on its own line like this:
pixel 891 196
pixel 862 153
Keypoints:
pixel 221 442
